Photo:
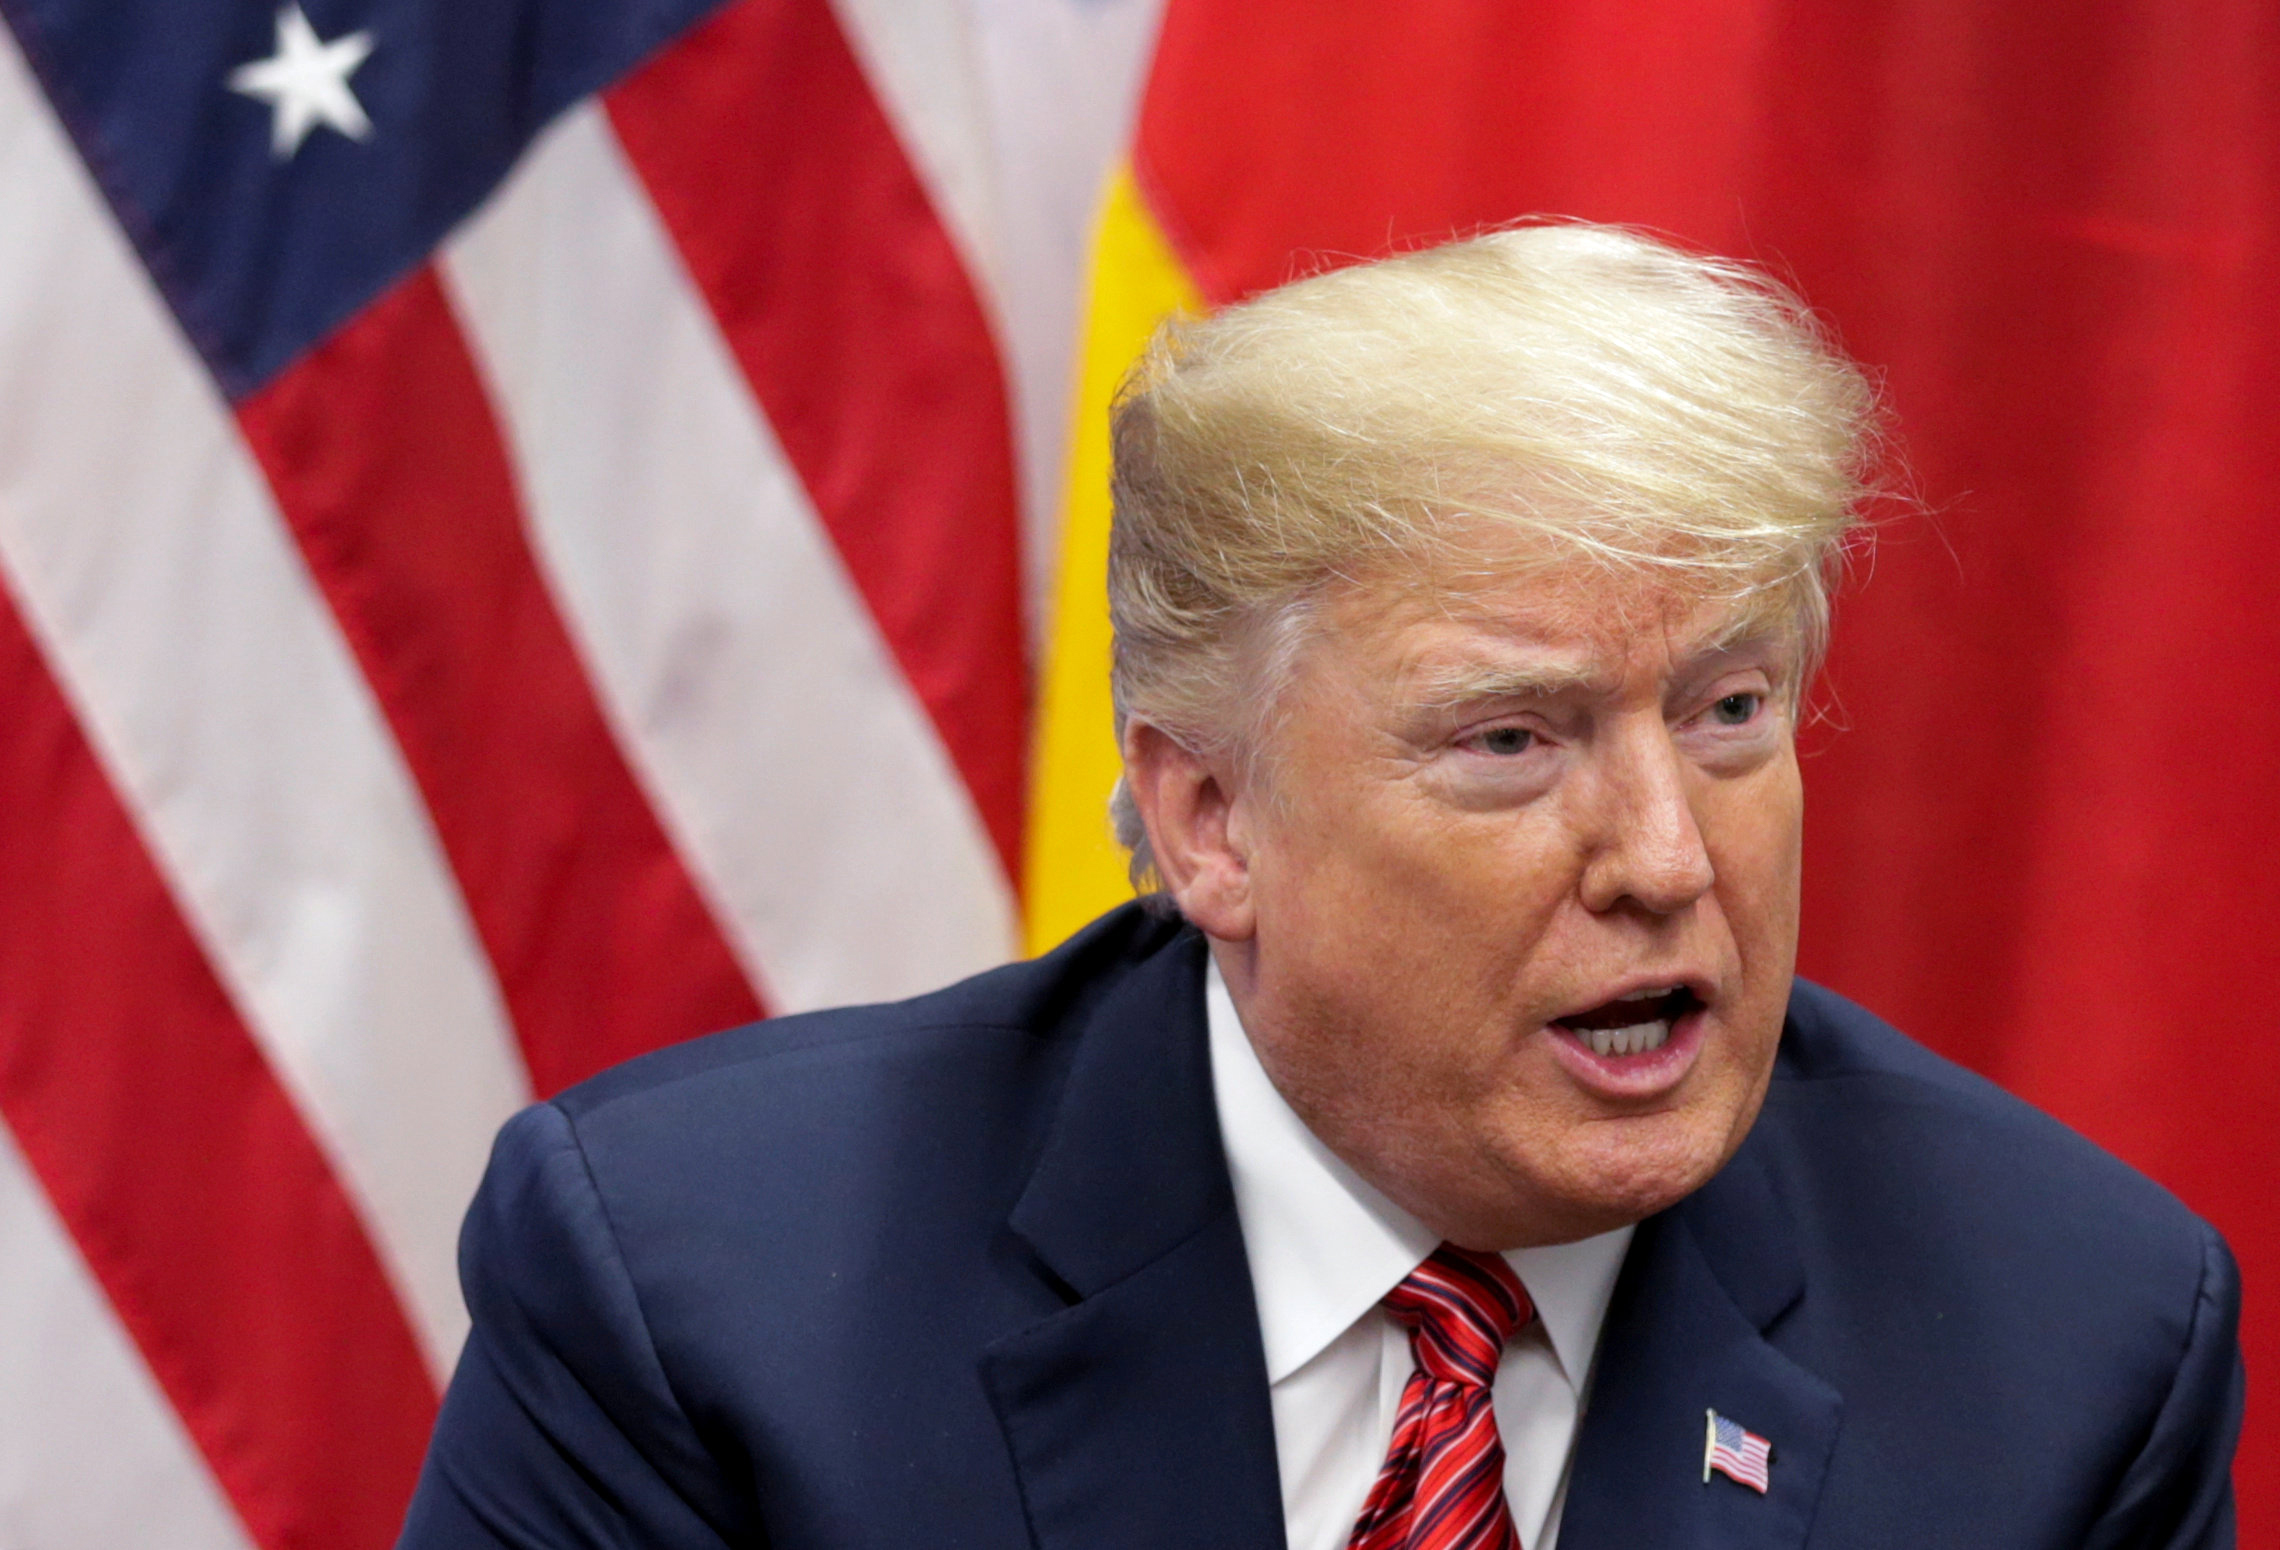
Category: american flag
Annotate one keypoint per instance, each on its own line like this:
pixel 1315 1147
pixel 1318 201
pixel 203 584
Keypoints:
pixel 510 554
pixel 1736 1453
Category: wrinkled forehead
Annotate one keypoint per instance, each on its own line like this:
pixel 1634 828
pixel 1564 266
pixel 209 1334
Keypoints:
pixel 1558 608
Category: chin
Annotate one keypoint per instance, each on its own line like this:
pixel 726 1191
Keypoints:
pixel 1618 1176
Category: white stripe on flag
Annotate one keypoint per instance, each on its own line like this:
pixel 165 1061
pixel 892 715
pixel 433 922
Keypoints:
pixel 1014 112
pixel 91 1453
pixel 215 687
pixel 788 759
pixel 925 68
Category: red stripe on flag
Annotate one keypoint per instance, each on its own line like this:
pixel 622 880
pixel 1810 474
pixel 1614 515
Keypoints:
pixel 386 459
pixel 179 1165
pixel 856 324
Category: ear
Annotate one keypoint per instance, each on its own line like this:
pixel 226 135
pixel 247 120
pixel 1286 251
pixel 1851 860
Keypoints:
pixel 1197 827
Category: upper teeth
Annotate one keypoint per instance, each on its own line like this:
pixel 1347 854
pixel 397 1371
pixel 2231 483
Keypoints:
pixel 1634 1040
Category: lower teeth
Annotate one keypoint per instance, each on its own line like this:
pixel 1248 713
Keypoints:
pixel 1638 1039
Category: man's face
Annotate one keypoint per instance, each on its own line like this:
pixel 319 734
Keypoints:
pixel 1521 869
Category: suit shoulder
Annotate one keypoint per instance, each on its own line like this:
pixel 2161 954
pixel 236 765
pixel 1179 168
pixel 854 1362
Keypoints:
pixel 1830 1036
pixel 1875 1098
pixel 1978 1282
pixel 1038 998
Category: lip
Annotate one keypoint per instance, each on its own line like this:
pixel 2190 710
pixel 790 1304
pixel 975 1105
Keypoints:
pixel 1683 979
pixel 1633 1079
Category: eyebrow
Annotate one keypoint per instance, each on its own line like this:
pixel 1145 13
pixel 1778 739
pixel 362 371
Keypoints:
pixel 1465 683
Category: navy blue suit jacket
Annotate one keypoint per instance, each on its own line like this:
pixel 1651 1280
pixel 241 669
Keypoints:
pixel 965 1271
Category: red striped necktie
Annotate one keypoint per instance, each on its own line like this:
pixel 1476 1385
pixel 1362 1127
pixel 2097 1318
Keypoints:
pixel 1442 1487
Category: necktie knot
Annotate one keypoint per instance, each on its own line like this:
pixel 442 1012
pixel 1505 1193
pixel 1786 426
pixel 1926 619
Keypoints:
pixel 1442 1487
pixel 1460 1307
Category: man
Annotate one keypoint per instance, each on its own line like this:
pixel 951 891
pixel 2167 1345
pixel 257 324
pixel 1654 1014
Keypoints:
pixel 1444 1155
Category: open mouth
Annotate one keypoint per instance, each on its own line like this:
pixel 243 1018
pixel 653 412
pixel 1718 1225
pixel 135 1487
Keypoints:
pixel 1636 1024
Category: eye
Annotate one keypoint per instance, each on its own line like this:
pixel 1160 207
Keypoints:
pixel 1503 741
pixel 1736 709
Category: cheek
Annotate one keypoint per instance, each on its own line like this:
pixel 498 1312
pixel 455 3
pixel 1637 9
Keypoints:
pixel 1338 865
pixel 1424 918
pixel 1418 936
pixel 1755 834
pixel 1758 891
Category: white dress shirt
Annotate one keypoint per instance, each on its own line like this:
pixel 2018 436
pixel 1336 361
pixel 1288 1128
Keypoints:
pixel 1324 1247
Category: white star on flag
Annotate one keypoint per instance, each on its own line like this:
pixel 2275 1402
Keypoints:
pixel 306 83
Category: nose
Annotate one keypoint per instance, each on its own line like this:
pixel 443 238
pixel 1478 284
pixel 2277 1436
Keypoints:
pixel 1646 849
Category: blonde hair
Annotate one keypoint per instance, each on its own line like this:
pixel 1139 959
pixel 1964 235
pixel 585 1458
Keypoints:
pixel 1605 396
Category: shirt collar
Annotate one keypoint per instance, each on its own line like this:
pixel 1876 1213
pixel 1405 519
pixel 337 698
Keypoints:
pixel 1325 1246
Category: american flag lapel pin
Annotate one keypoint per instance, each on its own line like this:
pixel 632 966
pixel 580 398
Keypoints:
pixel 1735 1452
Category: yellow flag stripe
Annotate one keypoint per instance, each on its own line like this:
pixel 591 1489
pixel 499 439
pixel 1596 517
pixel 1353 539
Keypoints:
pixel 1074 869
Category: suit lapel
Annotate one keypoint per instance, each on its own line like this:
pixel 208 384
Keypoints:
pixel 1138 1415
pixel 1686 1333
